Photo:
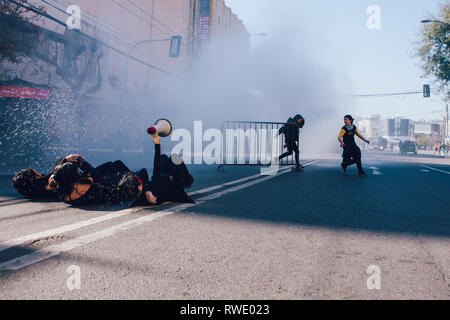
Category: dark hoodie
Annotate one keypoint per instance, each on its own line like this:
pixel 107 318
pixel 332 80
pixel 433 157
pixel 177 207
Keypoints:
pixel 291 133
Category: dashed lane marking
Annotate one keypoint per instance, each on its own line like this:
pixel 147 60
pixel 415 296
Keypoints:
pixel 446 172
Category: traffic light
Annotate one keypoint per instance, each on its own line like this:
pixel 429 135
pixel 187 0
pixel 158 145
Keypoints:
pixel 175 44
pixel 426 91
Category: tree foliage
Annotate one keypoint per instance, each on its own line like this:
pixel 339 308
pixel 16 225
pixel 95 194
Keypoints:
pixel 424 140
pixel 14 39
pixel 434 47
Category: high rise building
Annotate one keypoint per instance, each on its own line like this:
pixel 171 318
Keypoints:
pixel 371 127
pixel 398 129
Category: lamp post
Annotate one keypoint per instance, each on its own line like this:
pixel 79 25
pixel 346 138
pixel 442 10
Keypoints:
pixel 436 21
pixel 172 41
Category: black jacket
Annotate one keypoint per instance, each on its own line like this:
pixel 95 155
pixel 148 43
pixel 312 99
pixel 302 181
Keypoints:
pixel 291 133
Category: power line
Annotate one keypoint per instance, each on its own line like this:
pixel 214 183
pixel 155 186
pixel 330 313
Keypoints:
pixel 145 20
pixel 385 94
pixel 388 94
pixel 160 60
pixel 425 113
pixel 37 11
pixel 154 18
pixel 150 15
pixel 122 39
pixel 155 54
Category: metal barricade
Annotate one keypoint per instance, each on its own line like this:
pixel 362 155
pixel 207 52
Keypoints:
pixel 249 143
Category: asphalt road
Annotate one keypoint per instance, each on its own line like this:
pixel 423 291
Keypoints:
pixel 318 234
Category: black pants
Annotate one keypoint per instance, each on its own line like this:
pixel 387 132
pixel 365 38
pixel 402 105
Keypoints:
pixel 289 152
pixel 112 172
pixel 352 155
pixel 179 172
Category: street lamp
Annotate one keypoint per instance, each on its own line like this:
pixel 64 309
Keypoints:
pixel 437 21
pixel 174 51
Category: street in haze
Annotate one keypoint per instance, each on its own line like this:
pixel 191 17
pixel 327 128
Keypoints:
pixel 295 235
pixel 224 150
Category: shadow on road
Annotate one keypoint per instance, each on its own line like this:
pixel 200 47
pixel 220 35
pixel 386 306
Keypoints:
pixel 401 200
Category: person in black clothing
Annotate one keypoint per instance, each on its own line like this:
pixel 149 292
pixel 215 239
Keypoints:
pixel 90 187
pixel 351 153
pixel 170 178
pixel 291 135
pixel 33 184
pixel 112 172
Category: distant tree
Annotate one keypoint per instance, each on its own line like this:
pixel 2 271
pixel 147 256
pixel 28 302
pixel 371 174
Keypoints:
pixel 424 140
pixel 14 40
pixel 433 47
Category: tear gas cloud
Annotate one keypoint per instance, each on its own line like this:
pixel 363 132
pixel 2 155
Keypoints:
pixel 272 82
pixel 229 81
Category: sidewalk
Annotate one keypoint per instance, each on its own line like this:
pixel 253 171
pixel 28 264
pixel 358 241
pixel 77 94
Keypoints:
pixel 432 153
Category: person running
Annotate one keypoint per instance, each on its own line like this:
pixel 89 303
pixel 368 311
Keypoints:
pixel 351 153
pixel 291 135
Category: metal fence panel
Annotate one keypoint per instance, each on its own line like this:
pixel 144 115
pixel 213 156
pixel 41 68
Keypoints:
pixel 250 143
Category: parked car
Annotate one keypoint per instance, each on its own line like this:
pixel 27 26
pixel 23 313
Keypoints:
pixel 407 146
pixel 378 144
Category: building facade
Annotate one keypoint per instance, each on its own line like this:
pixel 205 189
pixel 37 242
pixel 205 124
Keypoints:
pixel 103 76
pixel 133 38
pixel 371 127
pixel 398 129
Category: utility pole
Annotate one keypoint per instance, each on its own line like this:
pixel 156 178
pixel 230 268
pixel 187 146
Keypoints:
pixel 193 30
pixel 446 124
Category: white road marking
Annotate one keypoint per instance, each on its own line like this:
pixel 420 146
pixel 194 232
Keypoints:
pixel 248 184
pixel 375 171
pixel 67 228
pixel 13 201
pixel 51 251
pixel 219 186
pixel 48 233
pixel 446 172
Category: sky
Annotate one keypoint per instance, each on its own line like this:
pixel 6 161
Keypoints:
pixel 335 35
